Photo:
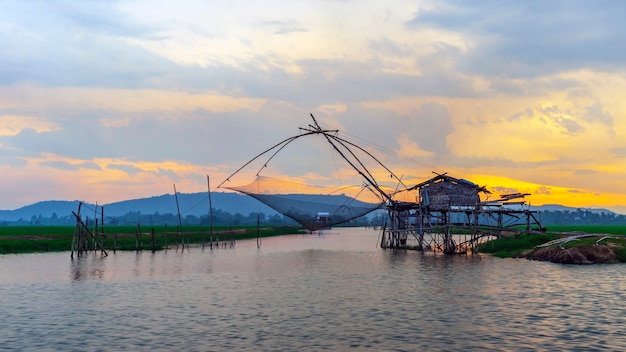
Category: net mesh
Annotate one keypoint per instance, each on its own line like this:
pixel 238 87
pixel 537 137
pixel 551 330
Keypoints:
pixel 314 207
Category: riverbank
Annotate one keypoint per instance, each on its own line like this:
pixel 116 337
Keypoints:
pixel 33 239
pixel 581 249
pixel 563 247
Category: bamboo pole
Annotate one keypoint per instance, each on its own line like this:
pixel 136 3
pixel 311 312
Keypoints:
pixel 137 237
pixel 103 236
pixel 165 236
pixel 180 221
pixel 202 232
pixel 86 230
pixel 75 238
pixel 208 183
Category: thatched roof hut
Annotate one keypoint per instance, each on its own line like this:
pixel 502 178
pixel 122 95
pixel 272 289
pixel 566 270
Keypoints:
pixel 443 191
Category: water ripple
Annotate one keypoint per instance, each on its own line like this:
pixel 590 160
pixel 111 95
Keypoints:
pixel 336 292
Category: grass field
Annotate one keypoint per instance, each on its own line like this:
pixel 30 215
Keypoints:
pixel 511 246
pixel 28 239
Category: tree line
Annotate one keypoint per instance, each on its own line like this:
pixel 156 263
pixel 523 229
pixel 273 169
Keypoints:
pixel 220 218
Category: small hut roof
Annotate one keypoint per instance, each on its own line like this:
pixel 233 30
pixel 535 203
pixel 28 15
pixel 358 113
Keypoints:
pixel 446 178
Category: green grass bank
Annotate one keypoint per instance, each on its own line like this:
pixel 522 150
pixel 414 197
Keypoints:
pixel 606 244
pixel 31 239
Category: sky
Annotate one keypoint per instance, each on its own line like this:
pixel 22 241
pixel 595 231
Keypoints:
pixel 104 101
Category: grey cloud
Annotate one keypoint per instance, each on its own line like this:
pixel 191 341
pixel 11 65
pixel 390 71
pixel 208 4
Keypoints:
pixel 428 125
pixel 12 161
pixel 618 152
pixel 596 113
pixel 477 163
pixel 571 126
pixel 127 168
pixel 169 173
pixel 530 38
pixel 508 86
pixel 63 165
pixel 582 172
pixel 503 190
pixel 532 87
pixel 543 190
pixel 388 47
pixel 527 113
pixel 433 123
pixel 283 26
pixel 200 137
pixel 555 115
pixel 98 16
pixel 73 43
pixel 107 60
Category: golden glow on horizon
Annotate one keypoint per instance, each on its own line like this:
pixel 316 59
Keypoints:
pixel 547 194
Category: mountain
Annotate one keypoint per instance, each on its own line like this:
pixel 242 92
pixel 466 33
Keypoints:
pixel 558 207
pixel 196 204
pixel 46 209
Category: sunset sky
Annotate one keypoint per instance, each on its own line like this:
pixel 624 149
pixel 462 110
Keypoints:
pixel 105 101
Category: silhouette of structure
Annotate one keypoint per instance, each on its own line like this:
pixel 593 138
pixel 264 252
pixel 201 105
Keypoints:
pixel 448 214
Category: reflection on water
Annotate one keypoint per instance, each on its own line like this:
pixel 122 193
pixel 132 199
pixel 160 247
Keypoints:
pixel 307 292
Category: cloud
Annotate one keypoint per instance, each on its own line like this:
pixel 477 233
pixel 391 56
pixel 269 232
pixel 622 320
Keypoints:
pixel 569 125
pixel 532 38
pixel 560 118
pixel 596 113
pixel 503 190
pixel 168 173
pixel 168 92
pixel 583 172
pixel 619 152
pixel 543 190
pixel 72 43
pixel 127 168
pixel 282 26
pixel 525 114
pixel 63 165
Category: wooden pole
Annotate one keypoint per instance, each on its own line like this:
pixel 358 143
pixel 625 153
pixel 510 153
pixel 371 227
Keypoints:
pixel 103 236
pixel 86 230
pixel 202 232
pixel 85 238
pixel 180 220
pixel 208 183
pixel 95 229
pixel 165 235
pixel 95 232
pixel 258 229
pixel 76 237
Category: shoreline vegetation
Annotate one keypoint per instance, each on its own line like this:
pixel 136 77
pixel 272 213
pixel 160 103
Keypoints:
pixel 592 244
pixel 35 239
pixel 564 244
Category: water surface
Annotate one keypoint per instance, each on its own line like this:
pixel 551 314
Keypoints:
pixel 334 291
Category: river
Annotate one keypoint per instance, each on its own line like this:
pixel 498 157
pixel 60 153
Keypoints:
pixel 333 291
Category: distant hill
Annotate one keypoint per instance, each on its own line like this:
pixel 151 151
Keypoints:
pixel 196 204
pixel 558 207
